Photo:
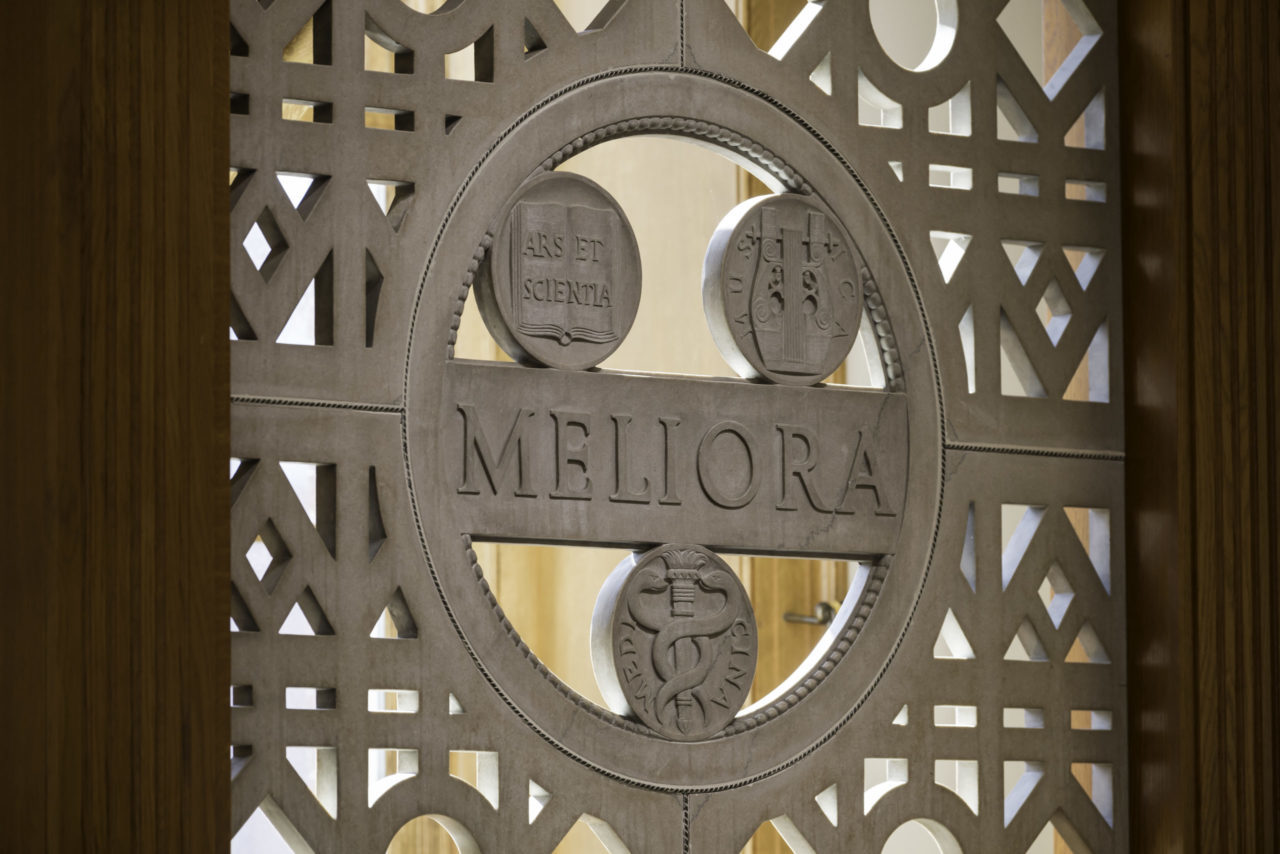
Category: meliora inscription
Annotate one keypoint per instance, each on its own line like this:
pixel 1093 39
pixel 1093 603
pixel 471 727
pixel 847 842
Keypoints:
pixel 782 289
pixel 673 641
pixel 561 285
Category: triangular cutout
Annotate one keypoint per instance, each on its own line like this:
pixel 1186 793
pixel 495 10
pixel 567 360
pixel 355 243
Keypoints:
pixel 968 349
pixel 875 108
pixel 315 485
pixel 1026 645
pixel 372 293
pixel 450 122
pixel 313 43
pixel 952 641
pixel 604 833
pixel 1084 261
pixel 896 167
pixel 1059 836
pixel 455 706
pixel 311 322
pixel 268 829
pixel 1018 377
pixel 1090 130
pixel 384 53
pixel 393 198
pixel 239 47
pixel 828 802
pixel 1012 124
pixel 1092 378
pixel 237 180
pixel 968 554
pixel 318 769
pixel 1092 526
pixel 395 621
pixel 1096 780
pixel 538 799
pixel 902 718
pixel 1020 780
pixel 949 247
pixel 588 16
pixel 377 531
pixel 1087 647
pixel 821 74
pixel 306 617
pixel 1017 537
pixel 303 190
pixel 239 324
pixel 953 116
pixel 533 43
pixel 1023 256
pixel 240 756
pixel 241 617
pixel 241 473
pixel 792 836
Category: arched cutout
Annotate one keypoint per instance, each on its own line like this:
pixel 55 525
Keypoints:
pixel 921 836
pixel 433 832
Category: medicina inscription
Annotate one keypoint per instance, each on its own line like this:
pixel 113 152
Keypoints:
pixel 673 641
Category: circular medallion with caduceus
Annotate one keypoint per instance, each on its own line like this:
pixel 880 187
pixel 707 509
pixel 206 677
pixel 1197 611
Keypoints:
pixel 673 641
pixel 782 289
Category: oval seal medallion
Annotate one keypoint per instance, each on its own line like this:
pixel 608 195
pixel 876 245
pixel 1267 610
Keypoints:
pixel 782 289
pixel 673 641
pixel 561 284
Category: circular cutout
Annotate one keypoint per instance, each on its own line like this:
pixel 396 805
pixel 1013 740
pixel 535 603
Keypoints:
pixel 782 289
pixel 673 641
pixel 561 283
pixel 916 34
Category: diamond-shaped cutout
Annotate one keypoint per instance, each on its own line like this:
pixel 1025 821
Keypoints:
pixel 265 244
pixel 1054 312
pixel 1056 594
pixel 1074 33
pixel 949 247
pixel 267 556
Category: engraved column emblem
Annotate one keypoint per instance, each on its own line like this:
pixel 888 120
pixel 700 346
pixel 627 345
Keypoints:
pixel 782 289
pixel 673 641
pixel 561 284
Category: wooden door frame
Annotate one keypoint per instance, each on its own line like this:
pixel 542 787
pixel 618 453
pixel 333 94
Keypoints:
pixel 115 379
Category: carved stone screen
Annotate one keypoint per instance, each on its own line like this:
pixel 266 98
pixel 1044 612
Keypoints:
pixel 947 219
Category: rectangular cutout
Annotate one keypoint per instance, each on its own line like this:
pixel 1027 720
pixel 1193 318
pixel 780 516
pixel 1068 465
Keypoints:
pixel 1086 191
pixel 1018 185
pixel 955 716
pixel 299 110
pixel 1094 720
pixel 392 700
pixel 388 118
pixel 319 699
pixel 1019 718
pixel 950 177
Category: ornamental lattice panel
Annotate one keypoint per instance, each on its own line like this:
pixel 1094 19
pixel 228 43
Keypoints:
pixel 974 678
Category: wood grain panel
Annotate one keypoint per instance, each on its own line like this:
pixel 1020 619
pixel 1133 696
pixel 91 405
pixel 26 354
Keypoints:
pixel 114 377
pixel 1199 130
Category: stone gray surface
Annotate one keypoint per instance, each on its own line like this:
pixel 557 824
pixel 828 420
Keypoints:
pixel 782 289
pixel 560 285
pixel 673 641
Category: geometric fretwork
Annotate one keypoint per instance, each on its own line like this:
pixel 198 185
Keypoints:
pixel 1008 663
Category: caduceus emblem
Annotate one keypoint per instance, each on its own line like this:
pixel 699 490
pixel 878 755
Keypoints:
pixel 682 645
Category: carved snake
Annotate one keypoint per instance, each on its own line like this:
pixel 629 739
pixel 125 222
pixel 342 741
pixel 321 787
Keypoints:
pixel 699 629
